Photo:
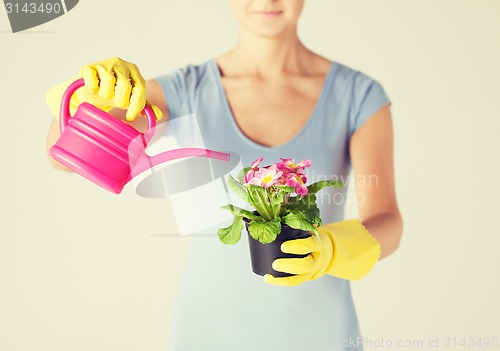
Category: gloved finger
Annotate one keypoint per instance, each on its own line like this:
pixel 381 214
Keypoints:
pixel 137 102
pixel 138 97
pixel 107 81
pixel 293 280
pixel 135 76
pixel 89 75
pixel 157 111
pixel 123 89
pixel 300 246
pixel 294 265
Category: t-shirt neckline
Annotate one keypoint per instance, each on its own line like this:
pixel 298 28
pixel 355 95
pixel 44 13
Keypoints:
pixel 232 121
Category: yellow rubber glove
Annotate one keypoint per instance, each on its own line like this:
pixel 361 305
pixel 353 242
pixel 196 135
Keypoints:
pixel 344 249
pixel 109 83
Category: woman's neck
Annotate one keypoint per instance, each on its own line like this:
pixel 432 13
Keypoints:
pixel 267 57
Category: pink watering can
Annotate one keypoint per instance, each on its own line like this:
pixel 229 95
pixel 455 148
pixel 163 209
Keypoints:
pixel 106 150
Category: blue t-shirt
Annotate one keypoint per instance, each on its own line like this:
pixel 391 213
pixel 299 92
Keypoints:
pixel 221 305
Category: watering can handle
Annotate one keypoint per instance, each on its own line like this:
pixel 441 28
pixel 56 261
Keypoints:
pixel 66 99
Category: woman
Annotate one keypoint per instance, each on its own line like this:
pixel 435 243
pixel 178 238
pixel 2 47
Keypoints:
pixel 271 97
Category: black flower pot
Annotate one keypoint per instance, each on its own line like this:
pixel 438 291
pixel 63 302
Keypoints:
pixel 263 255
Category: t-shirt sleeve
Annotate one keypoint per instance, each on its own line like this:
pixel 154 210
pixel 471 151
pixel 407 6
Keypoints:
pixel 368 97
pixel 175 91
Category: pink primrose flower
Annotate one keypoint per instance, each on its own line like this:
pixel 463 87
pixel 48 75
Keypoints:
pixel 249 175
pixel 266 177
pixel 253 168
pixel 288 165
pixel 298 182
pixel 255 164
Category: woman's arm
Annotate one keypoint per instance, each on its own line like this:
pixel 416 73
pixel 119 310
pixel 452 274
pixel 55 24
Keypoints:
pixel 371 149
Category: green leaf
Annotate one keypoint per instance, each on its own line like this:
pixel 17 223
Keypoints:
pixel 265 232
pixel 276 198
pixel 303 203
pixel 298 221
pixel 285 189
pixel 306 205
pixel 313 216
pixel 237 188
pixel 232 234
pixel 257 197
pixel 240 212
pixel 315 187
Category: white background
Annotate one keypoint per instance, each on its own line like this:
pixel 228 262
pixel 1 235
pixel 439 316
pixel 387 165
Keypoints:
pixel 81 269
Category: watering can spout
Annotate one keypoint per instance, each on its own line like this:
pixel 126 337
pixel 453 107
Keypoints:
pixel 106 150
pixel 146 162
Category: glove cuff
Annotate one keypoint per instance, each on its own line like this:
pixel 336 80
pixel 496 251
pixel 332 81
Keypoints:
pixel 355 250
